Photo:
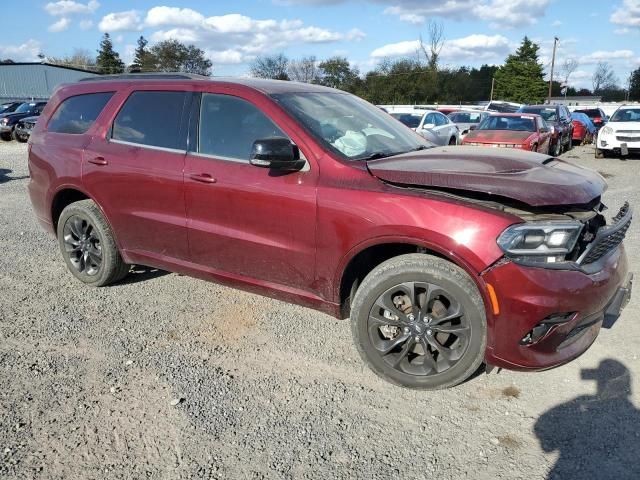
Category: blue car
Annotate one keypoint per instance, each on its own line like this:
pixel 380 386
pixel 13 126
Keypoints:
pixel 584 130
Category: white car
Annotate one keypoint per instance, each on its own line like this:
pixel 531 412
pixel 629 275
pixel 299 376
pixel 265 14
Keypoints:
pixel 430 124
pixel 621 134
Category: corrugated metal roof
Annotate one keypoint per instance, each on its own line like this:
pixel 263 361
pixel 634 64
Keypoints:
pixel 35 81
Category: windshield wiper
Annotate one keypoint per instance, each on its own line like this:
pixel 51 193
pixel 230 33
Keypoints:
pixel 377 155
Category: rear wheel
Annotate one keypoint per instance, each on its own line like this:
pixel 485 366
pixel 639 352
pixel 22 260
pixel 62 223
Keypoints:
pixel 556 150
pixel 88 245
pixel 21 138
pixel 418 321
pixel 452 141
pixel 6 136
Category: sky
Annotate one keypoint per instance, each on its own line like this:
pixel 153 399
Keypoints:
pixel 233 33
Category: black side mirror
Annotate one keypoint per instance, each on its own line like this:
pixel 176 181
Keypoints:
pixel 277 153
pixel 473 127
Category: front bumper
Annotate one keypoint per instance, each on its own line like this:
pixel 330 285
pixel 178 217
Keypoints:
pixel 616 143
pixel 574 303
pixel 5 129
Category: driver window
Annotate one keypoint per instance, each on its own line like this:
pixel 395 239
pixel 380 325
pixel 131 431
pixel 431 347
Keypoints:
pixel 430 119
pixel 229 126
pixel 440 119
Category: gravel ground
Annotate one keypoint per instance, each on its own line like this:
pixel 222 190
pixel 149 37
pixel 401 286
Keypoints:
pixel 165 376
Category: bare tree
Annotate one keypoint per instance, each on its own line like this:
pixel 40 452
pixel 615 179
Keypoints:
pixel 568 67
pixel 304 70
pixel 432 51
pixel 603 77
pixel 80 58
pixel 271 66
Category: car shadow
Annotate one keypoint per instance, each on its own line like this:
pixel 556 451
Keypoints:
pixel 4 178
pixel 596 436
pixel 141 273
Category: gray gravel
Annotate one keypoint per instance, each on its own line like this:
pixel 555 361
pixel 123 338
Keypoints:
pixel 165 376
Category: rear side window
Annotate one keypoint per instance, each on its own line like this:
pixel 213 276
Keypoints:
pixel 230 125
pixel 152 118
pixel 75 115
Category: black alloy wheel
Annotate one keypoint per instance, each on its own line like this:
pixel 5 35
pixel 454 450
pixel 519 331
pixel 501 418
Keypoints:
pixel 418 328
pixel 83 245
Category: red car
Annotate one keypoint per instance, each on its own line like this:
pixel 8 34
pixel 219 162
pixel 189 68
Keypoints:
pixel 444 258
pixel 581 134
pixel 511 130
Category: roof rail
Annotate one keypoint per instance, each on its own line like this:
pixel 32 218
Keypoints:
pixel 145 76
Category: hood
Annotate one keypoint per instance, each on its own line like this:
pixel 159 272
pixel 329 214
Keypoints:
pixel 624 126
pixel 498 136
pixel 533 179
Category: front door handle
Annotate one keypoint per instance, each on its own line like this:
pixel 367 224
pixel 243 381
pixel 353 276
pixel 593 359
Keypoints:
pixel 202 177
pixel 98 161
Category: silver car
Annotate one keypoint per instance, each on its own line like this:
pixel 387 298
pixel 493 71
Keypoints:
pixel 466 120
pixel 432 125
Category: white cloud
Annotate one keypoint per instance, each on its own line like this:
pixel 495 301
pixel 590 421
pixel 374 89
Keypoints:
pixel 500 13
pixel 607 56
pixel 556 23
pixel 628 14
pixel 69 7
pixel 120 21
pixel 473 47
pixel 59 26
pixel 232 38
pixel 28 51
pixel 86 24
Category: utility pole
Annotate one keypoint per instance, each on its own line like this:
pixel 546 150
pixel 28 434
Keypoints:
pixel 553 64
pixel 493 80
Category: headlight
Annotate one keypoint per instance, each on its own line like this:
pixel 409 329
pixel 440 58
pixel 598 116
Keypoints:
pixel 540 242
pixel 4 121
pixel 607 130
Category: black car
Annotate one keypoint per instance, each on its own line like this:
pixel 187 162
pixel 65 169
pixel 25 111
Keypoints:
pixel 9 107
pixel 8 121
pixel 597 116
pixel 23 129
pixel 559 118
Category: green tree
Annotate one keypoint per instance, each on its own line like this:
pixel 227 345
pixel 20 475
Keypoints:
pixel 521 78
pixel 173 56
pixel 271 66
pixel 336 72
pixel 144 60
pixel 634 85
pixel 108 60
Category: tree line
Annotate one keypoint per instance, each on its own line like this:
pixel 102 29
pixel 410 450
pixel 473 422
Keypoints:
pixel 417 79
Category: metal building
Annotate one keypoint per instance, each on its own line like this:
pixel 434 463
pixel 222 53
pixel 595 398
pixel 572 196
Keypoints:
pixel 35 81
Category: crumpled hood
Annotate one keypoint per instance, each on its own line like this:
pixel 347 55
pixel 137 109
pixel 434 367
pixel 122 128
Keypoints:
pixel 531 178
pixel 497 136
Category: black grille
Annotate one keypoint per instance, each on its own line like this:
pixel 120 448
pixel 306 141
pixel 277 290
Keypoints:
pixel 608 237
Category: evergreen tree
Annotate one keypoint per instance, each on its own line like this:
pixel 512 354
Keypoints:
pixel 521 78
pixel 108 60
pixel 634 85
pixel 144 60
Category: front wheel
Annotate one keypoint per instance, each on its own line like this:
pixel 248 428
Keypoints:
pixel 88 246
pixel 452 141
pixel 418 321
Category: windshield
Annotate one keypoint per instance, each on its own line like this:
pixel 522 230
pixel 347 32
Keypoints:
pixel 502 107
pixel 411 120
pixel 466 117
pixel 25 108
pixel 500 122
pixel 626 115
pixel 591 113
pixel 549 114
pixel 349 126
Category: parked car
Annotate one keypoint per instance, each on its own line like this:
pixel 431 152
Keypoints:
pixel 443 258
pixel 597 116
pixel 432 125
pixel 9 107
pixel 621 134
pixel 23 128
pixel 8 121
pixel 584 130
pixel 558 118
pixel 467 120
pixel 511 130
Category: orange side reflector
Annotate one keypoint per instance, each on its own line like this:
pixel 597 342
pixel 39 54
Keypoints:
pixel 494 299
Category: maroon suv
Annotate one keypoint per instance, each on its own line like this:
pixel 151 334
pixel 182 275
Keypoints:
pixel 444 258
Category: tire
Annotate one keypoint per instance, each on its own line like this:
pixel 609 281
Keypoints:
pixel 600 153
pixel 84 237
pixel 7 137
pixel 557 148
pixel 569 145
pixel 451 291
pixel 21 139
pixel 534 147
pixel 452 141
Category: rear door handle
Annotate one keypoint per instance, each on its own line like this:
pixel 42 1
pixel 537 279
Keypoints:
pixel 202 177
pixel 98 161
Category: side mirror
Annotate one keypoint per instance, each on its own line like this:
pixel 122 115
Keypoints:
pixel 276 153
pixel 428 126
pixel 473 127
